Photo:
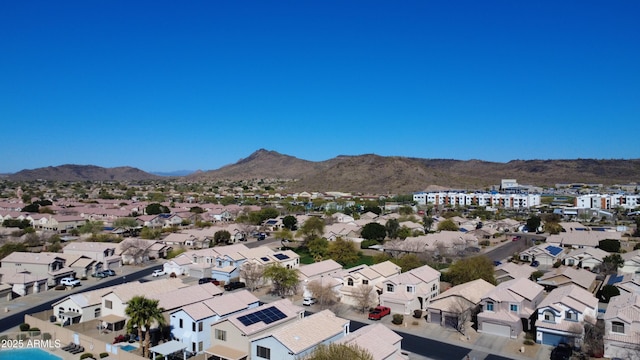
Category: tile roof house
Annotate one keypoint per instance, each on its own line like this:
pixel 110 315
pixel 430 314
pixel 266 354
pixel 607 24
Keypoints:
pixel 622 327
pixel 231 337
pixel 561 315
pixel 455 306
pixel 631 262
pixel 411 290
pixel 380 341
pixel 300 338
pixel 354 278
pixel 544 254
pixel 585 258
pixel 191 324
pixel 43 265
pixel 564 276
pixel 509 271
pixel 104 253
pixel 582 239
pixel 80 307
pixel 507 310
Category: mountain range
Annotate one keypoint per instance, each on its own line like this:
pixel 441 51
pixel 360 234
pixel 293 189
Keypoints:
pixel 372 173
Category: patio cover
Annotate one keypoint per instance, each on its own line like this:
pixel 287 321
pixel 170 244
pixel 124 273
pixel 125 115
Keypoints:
pixel 226 352
pixel 112 321
pixel 168 348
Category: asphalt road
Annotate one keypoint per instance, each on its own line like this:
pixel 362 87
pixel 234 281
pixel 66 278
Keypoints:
pixel 17 318
pixel 507 250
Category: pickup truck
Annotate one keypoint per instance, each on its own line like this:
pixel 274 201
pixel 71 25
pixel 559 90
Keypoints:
pixel 379 312
pixel 234 285
pixel 69 281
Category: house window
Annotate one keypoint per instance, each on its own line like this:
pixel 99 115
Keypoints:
pixel 410 289
pixel 489 306
pixel 193 326
pixel 200 346
pixel 365 282
pixel 434 287
pixel 221 335
pixel 181 324
pixel 350 281
pixel 200 327
pixel 571 262
pixel 96 313
pixel 617 327
pixel 571 315
pixel 549 316
pixel 108 304
pixel 389 287
pixel 513 307
pixel 263 352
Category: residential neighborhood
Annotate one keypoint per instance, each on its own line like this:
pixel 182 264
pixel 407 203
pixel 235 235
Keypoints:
pixel 230 281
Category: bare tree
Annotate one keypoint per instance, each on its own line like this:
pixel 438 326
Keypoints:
pixel 253 274
pixel 363 295
pixel 136 248
pixel 461 308
pixel 324 294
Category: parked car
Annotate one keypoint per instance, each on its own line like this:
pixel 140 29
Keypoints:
pixel 379 312
pixel 308 301
pixel 69 281
pixel 157 272
pixel 234 285
pixel 109 272
pixel 497 263
pixel 561 352
pixel 208 280
pixel 535 263
pixel 99 275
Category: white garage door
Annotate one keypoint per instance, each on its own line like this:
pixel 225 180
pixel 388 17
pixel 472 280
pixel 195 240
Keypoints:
pixel 496 329
pixel 396 308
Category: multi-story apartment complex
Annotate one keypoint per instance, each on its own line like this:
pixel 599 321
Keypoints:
pixel 492 199
pixel 607 201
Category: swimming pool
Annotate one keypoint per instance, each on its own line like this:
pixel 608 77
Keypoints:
pixel 128 347
pixel 27 354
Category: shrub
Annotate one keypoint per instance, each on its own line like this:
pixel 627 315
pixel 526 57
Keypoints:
pixel 557 264
pixel 60 287
pixel 34 331
pixel 415 323
pixel 86 355
pixel 529 342
pixel 4 338
pixel 104 355
pixel 484 243
pixel 25 327
pixel 398 319
pixel 366 243
pixel 46 336
pixel 417 313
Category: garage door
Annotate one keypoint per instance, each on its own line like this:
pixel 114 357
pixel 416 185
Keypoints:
pixel 496 329
pixel 396 308
pixel 434 317
pixel 451 322
pixel 553 339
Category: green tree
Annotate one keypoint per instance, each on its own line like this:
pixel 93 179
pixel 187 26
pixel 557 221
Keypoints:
pixel 150 234
pixel 125 222
pixel 392 226
pixel 343 251
pixel 8 248
pixel 610 264
pixel 222 237
pixel 553 228
pixel 408 262
pixel 447 225
pixel 318 248
pixel 469 269
pixel 313 227
pixel 405 210
pixel 427 222
pixel 609 245
pixel 284 281
pixel 405 232
pixel 196 210
pixel 335 351
pixel 156 209
pixel 374 209
pixel 143 313
pixel 607 292
pixel 373 231
pixel 31 208
pixel 91 227
pixel 290 222
pixel 533 223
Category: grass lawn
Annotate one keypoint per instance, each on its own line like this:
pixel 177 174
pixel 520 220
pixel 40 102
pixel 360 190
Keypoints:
pixel 305 258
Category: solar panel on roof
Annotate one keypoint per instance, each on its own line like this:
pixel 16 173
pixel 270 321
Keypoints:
pixel 553 250
pixel 264 258
pixel 268 315
pixel 281 256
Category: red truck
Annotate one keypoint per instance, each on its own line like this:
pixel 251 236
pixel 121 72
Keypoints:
pixel 379 312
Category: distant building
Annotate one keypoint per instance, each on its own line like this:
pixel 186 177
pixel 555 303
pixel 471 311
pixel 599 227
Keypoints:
pixel 487 199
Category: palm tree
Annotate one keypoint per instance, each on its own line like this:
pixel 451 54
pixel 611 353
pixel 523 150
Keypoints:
pixel 143 313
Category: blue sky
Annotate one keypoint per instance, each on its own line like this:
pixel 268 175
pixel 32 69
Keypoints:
pixel 168 85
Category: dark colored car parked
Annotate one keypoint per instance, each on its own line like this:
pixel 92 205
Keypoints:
pixel 561 352
pixel 234 285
